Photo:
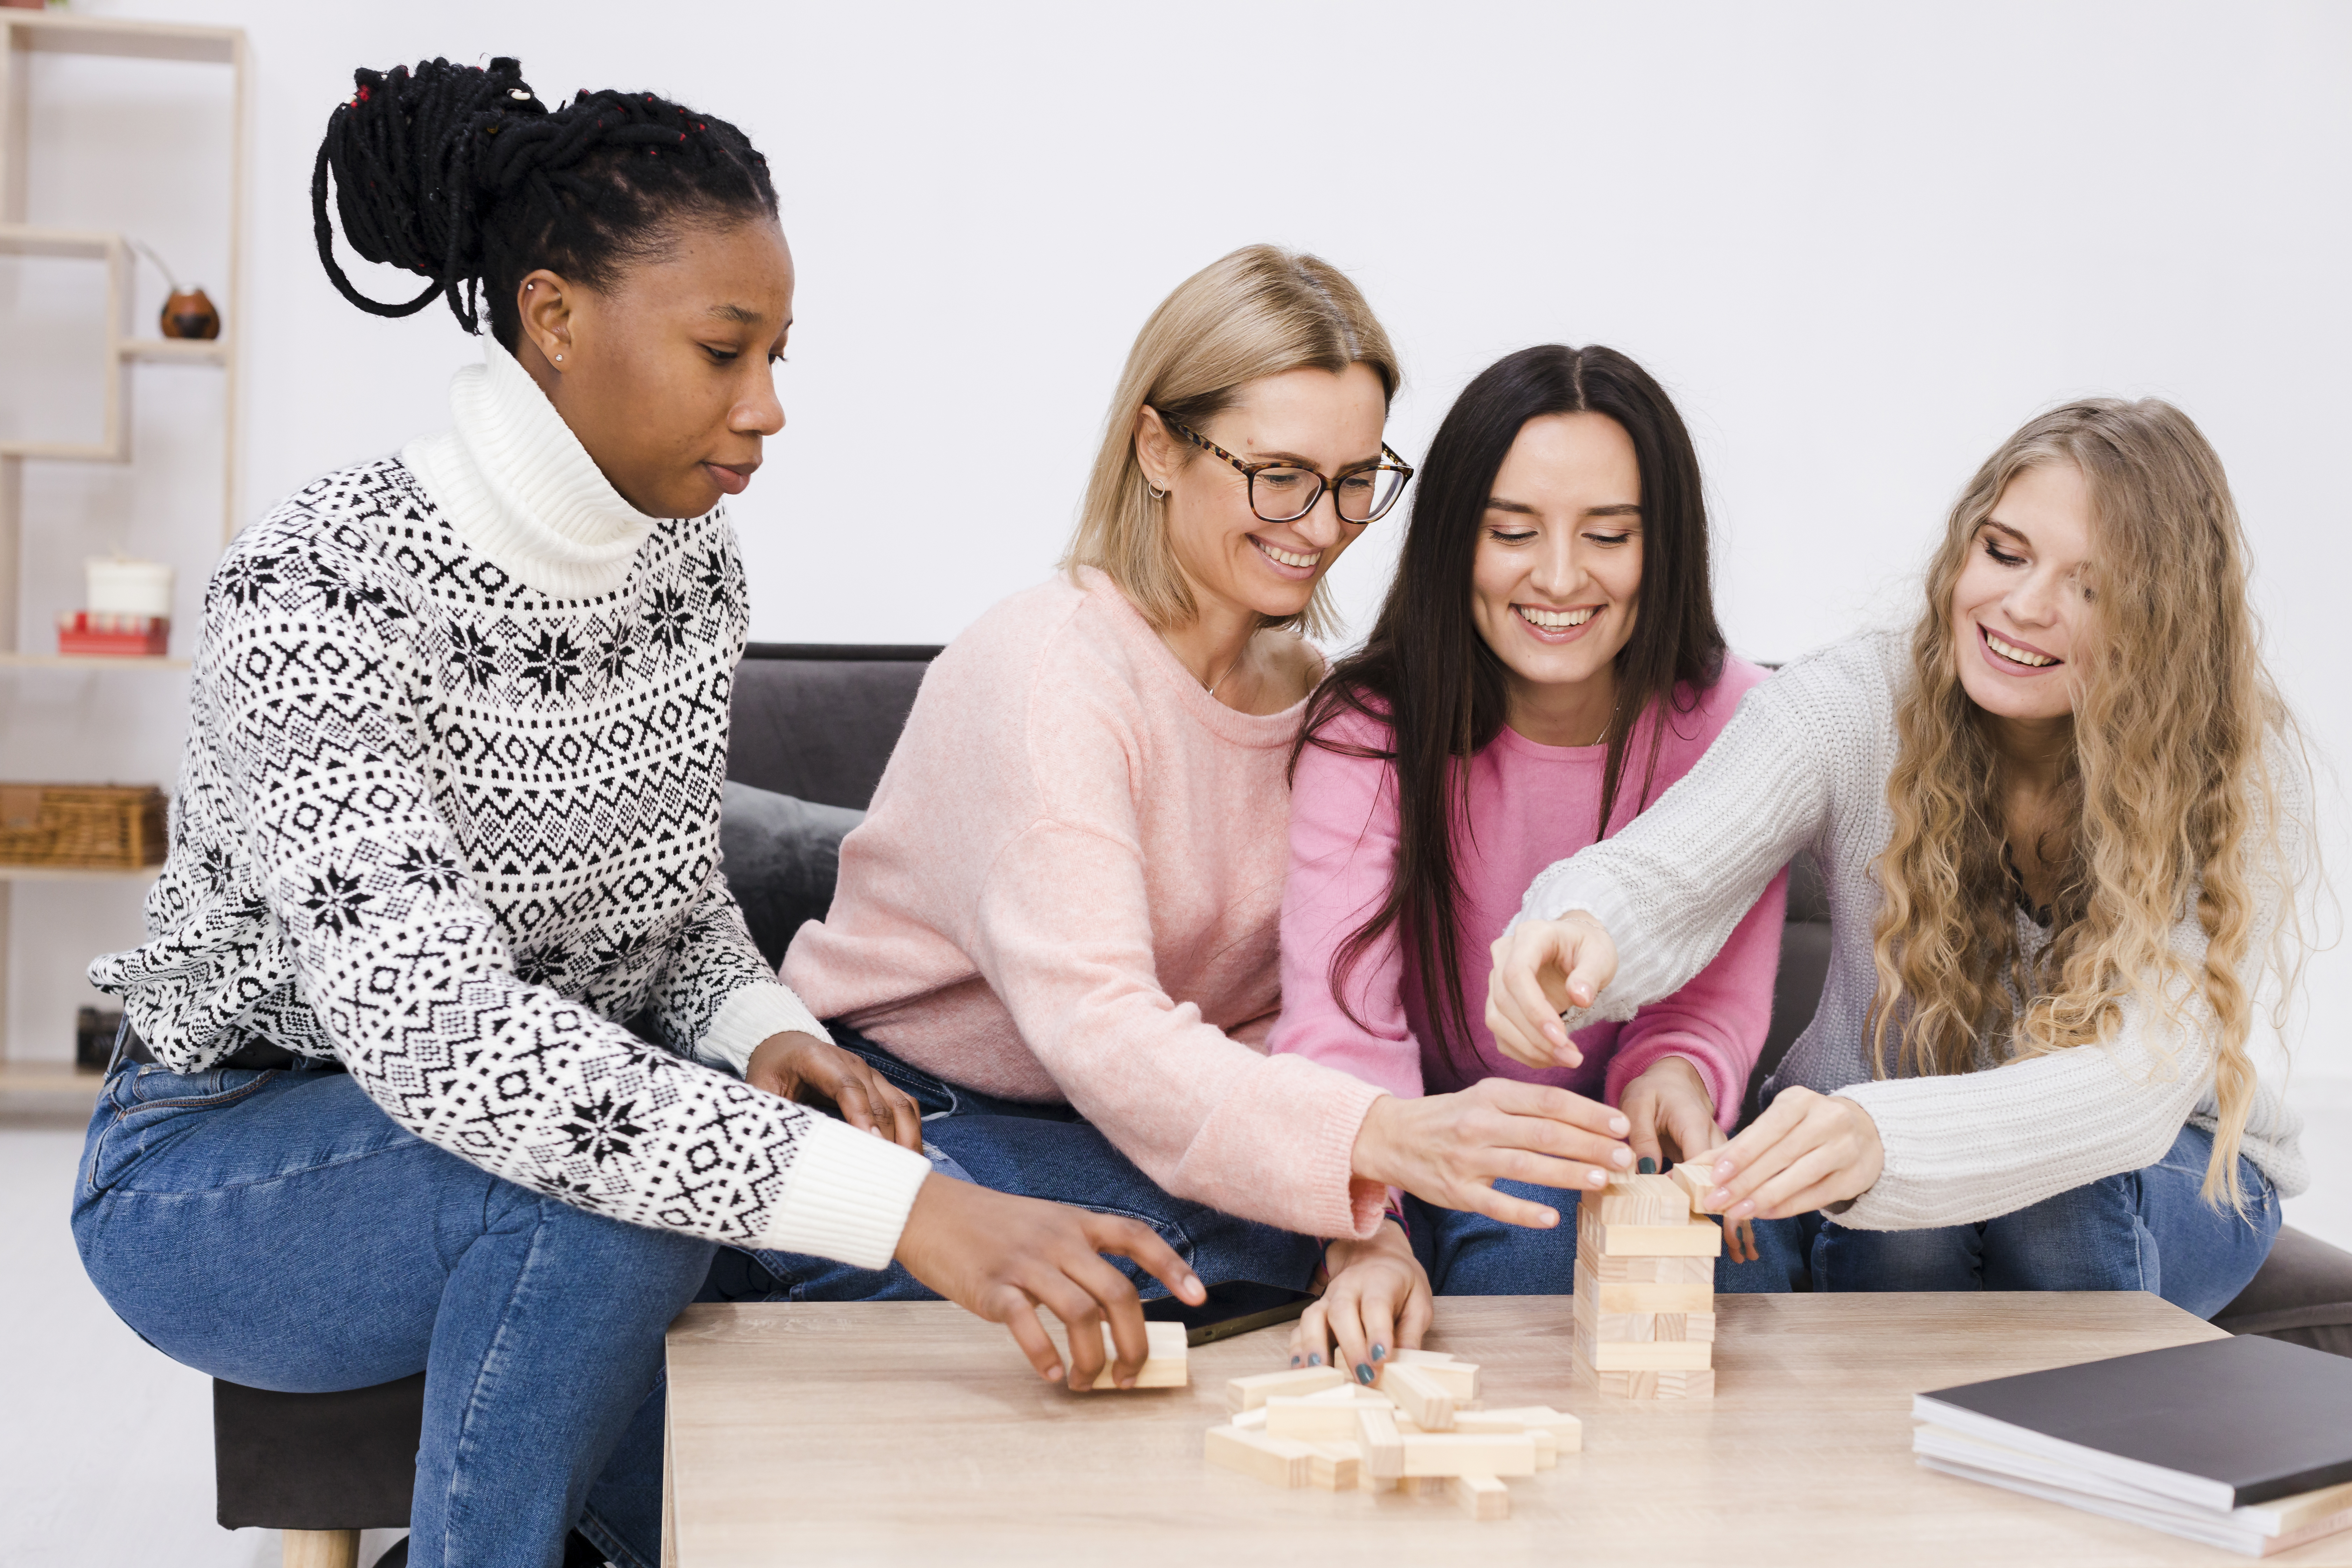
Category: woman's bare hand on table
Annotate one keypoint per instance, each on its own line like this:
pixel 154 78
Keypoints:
pixel 1002 1258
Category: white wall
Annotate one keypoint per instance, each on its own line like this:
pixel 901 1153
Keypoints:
pixel 1860 242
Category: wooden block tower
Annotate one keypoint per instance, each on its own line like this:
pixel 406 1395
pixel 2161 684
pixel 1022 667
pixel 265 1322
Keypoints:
pixel 1644 1294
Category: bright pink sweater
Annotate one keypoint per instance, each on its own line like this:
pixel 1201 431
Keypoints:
pixel 1529 805
pixel 1069 888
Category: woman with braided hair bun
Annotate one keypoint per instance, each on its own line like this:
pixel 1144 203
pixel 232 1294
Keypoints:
pixel 447 1048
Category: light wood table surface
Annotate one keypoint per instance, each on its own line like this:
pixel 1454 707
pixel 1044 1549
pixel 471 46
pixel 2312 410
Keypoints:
pixel 914 1433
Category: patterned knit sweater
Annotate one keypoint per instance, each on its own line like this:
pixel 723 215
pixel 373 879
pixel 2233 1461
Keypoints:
pixel 1803 766
pixel 449 811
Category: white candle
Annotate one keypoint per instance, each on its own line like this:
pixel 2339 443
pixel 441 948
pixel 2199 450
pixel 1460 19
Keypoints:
pixel 121 587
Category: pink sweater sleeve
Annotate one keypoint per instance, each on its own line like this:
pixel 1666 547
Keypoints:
pixel 1719 1019
pixel 1062 933
pixel 1343 835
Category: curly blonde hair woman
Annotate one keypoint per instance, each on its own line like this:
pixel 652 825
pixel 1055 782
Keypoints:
pixel 2062 825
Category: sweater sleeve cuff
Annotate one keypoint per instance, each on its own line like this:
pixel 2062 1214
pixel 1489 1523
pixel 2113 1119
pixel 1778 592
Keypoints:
pixel 750 1016
pixel 849 1196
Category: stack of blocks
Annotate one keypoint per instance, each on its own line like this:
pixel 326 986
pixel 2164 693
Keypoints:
pixel 1418 1428
pixel 1645 1300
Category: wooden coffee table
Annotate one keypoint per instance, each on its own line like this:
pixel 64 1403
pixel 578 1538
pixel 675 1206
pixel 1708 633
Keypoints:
pixel 915 1434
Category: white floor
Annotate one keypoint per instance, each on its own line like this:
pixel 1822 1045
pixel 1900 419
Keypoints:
pixel 106 1449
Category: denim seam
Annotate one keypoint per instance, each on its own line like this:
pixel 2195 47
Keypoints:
pixel 483 1373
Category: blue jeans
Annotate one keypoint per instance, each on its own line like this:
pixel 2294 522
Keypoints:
pixel 1039 1151
pixel 277 1229
pixel 2144 1230
pixel 1467 1254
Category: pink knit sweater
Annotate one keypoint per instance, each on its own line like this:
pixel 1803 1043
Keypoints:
pixel 1529 805
pixel 1069 888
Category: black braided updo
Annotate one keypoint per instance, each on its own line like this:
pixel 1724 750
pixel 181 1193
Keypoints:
pixel 461 175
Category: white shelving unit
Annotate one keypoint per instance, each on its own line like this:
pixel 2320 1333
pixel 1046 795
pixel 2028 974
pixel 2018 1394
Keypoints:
pixel 24 35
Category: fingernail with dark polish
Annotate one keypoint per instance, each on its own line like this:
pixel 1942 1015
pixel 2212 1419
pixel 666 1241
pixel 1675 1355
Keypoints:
pixel 1315 1361
pixel 1648 1167
pixel 1379 1352
pixel 1294 1361
pixel 1363 1373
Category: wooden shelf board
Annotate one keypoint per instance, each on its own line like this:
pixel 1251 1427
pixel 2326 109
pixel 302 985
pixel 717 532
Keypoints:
pixel 64 451
pixel 175 351
pixel 53 33
pixel 49 1077
pixel 87 661
pixel 75 873
pixel 32 239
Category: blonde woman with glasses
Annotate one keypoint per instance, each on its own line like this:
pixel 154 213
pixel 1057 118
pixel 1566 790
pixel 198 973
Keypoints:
pixel 2062 825
pixel 1057 928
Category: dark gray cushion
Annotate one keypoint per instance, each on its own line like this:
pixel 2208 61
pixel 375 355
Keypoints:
pixel 817 721
pixel 780 857
pixel 316 1461
pixel 2303 1294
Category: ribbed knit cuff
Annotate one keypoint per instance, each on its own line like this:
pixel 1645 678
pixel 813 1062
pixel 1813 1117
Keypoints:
pixel 849 1196
pixel 750 1016
pixel 1555 896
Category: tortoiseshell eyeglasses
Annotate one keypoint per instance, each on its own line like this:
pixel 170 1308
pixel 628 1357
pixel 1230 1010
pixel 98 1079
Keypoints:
pixel 1284 492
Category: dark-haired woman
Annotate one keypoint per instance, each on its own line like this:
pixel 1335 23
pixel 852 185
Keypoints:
pixel 449 814
pixel 1546 664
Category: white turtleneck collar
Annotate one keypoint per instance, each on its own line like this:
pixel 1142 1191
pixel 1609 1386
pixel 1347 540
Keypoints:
pixel 518 488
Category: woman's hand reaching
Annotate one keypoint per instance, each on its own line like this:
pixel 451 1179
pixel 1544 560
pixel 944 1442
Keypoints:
pixel 1542 968
pixel 1450 1149
pixel 1002 1258
pixel 1378 1301
pixel 1806 1150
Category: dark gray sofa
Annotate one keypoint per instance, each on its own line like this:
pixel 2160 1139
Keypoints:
pixel 816 723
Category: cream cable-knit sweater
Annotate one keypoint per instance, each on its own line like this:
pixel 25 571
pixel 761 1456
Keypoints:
pixel 449 814
pixel 1803 766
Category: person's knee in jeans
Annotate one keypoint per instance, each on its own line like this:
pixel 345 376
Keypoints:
pixel 2089 1237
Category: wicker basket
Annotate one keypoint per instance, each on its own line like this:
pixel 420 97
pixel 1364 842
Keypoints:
pixel 97 828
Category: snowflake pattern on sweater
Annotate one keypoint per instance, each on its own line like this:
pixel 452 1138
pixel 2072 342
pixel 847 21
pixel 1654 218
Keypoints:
pixel 447 829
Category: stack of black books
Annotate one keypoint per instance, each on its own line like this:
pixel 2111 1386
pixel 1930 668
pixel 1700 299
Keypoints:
pixel 2241 1443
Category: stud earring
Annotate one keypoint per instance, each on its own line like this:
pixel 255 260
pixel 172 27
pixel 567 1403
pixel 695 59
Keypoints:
pixel 559 358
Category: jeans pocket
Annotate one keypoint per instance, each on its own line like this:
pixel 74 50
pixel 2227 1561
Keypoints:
pixel 144 1106
pixel 156 1088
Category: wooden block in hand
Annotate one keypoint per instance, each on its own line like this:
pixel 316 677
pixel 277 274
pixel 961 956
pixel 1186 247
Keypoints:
pixel 1481 1497
pixel 1696 1180
pixel 1383 1445
pixel 1276 1461
pixel 1470 1453
pixel 1249 1393
pixel 1457 1378
pixel 1309 1420
pixel 1418 1396
pixel 1164 1364
pixel 1638 1200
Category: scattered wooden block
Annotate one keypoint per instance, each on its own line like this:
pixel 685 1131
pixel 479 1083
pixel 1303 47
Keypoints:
pixel 1351 1393
pixel 1696 1180
pixel 1250 1420
pixel 1310 1420
pixel 1470 1453
pixel 1459 1379
pixel 1276 1461
pixel 1384 1444
pixel 1648 1271
pixel 1249 1393
pixel 1637 1200
pixel 1164 1365
pixel 1417 1356
pixel 1481 1497
pixel 1336 1467
pixel 1566 1428
pixel 1421 1396
pixel 1698 1238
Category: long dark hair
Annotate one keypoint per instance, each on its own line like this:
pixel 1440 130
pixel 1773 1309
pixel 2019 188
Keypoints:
pixel 461 175
pixel 1427 675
